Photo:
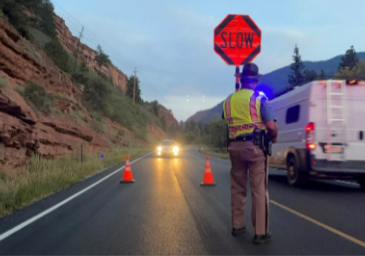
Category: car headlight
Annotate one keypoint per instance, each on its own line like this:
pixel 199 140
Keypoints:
pixel 175 149
pixel 159 148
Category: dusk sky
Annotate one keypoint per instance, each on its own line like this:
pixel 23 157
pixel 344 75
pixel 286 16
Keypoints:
pixel 171 42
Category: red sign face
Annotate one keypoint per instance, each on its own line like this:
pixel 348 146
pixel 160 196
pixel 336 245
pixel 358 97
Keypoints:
pixel 237 39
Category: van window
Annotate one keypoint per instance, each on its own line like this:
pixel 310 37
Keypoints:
pixel 292 114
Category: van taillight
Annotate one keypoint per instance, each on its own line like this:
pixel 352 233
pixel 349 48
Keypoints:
pixel 311 146
pixel 351 82
pixel 309 136
pixel 310 127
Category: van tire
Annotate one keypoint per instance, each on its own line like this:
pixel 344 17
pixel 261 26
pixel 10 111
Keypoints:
pixel 295 177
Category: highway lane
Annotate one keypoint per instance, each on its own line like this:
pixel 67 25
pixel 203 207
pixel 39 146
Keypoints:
pixel 166 212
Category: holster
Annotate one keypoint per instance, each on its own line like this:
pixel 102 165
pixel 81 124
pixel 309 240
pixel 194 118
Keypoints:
pixel 263 139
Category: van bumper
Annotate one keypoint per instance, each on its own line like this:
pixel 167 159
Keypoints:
pixel 337 169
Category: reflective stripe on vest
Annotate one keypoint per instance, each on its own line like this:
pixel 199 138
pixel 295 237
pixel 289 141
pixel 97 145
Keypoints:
pixel 253 109
pixel 228 109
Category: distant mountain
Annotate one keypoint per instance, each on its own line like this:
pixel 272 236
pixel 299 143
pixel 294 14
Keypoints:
pixel 276 81
pixel 207 115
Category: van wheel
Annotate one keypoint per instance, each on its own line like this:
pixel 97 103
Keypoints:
pixel 295 177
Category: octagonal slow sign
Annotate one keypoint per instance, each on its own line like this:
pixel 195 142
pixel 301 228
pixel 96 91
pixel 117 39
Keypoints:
pixel 237 39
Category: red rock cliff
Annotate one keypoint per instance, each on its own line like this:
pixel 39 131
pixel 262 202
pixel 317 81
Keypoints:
pixel 24 131
pixel 87 55
pixel 166 113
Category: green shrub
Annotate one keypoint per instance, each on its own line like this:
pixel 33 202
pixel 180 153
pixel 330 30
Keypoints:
pixel 2 82
pixel 39 97
pixel 58 54
pixel 2 14
pixel 19 90
pixel 121 133
pixel 38 56
pixel 95 95
pixel 96 126
pixel 97 116
pixel 80 78
pixel 14 12
pixel 39 38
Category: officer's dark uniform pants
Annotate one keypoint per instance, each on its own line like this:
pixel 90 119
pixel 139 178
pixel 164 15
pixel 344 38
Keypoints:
pixel 249 160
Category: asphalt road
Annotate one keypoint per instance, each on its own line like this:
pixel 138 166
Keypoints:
pixel 166 211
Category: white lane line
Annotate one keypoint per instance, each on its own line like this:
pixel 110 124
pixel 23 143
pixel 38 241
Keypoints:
pixel 40 215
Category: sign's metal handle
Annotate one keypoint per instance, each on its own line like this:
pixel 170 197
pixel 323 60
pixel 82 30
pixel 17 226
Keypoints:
pixel 237 78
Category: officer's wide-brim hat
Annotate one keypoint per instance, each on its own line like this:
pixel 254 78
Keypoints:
pixel 250 71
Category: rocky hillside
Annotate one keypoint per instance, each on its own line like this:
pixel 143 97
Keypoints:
pixel 170 120
pixel 87 55
pixel 24 130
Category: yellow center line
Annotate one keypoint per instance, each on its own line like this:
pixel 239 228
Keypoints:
pixel 348 237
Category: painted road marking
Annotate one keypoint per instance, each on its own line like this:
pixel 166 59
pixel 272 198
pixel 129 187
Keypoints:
pixel 337 232
pixel 44 213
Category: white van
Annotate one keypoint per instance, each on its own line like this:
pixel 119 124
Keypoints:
pixel 321 131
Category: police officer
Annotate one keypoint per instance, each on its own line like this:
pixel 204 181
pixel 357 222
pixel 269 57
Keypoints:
pixel 244 111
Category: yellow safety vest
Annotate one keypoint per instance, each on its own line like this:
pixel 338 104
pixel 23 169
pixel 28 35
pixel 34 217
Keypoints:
pixel 242 110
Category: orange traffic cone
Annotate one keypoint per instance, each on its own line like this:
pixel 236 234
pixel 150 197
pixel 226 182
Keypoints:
pixel 208 175
pixel 127 177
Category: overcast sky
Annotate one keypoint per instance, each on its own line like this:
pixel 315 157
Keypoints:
pixel 171 42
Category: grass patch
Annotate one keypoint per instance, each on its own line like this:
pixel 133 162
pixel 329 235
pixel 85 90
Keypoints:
pixel 49 176
pixel 2 14
pixel 39 97
pixel 215 152
pixel 38 55
pixel 97 116
pixel 39 38
pixel 96 126
pixel 19 90
pixel 121 133
pixel 2 83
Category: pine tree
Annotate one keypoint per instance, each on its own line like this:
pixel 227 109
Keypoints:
pixel 349 60
pixel 101 58
pixel 296 78
pixel 47 24
pixel 322 76
pixel 129 91
pixel 309 76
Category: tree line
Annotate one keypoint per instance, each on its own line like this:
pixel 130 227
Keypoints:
pixel 350 67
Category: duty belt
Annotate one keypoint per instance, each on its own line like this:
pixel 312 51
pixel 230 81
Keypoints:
pixel 247 137
pixel 243 127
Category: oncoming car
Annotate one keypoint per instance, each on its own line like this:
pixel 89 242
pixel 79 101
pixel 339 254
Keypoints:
pixel 167 147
